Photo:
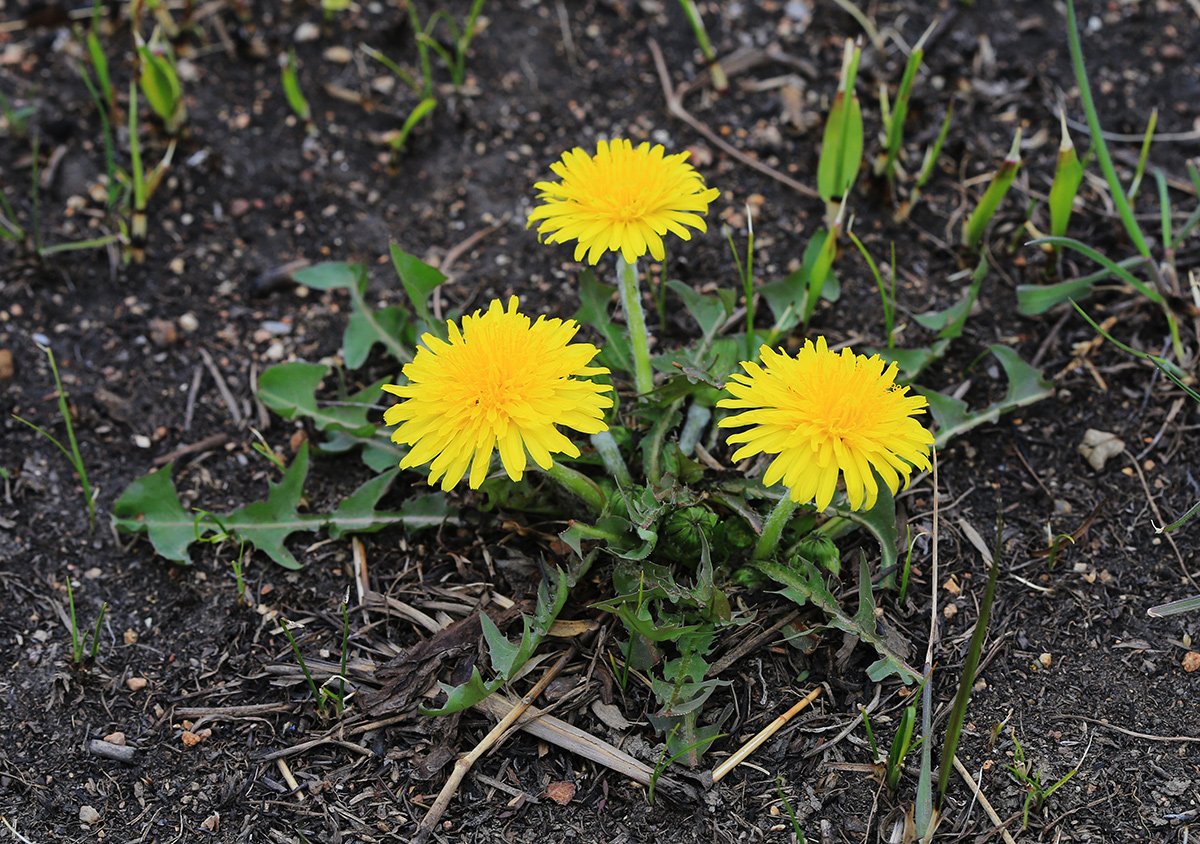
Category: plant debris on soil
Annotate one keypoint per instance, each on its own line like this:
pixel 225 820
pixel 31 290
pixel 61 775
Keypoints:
pixel 194 722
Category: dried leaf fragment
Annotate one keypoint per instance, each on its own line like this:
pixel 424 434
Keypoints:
pixel 561 792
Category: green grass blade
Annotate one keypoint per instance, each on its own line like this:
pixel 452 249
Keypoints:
pixel 1068 175
pixel 899 111
pixel 1143 155
pixel 1176 607
pixel 978 222
pixel 94 243
pixel 1112 266
pixel 291 88
pixel 400 72
pixel 842 143
pixel 889 302
pixel 935 150
pixel 1164 207
pixel 1184 519
pixel 958 712
pixel 1097 134
pixel 1166 367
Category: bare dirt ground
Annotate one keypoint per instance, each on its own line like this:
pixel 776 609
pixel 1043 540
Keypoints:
pixel 163 355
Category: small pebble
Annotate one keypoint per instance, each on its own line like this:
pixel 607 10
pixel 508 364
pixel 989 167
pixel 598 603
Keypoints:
pixel 307 31
pixel 136 684
pixel 191 739
pixel 163 333
pixel 94 573
pixel 1045 660
pixel 141 440
pixel 1191 661
pixel 188 322
pixel 88 815
pixel 338 55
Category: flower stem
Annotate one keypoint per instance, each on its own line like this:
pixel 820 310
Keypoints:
pixel 578 484
pixel 639 337
pixel 610 453
pixel 773 528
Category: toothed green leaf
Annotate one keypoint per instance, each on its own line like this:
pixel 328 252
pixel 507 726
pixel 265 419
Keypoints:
pixel 266 524
pixel 151 506
pixel 290 389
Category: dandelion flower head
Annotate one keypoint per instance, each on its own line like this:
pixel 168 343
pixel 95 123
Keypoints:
pixel 622 199
pixel 499 383
pixel 826 413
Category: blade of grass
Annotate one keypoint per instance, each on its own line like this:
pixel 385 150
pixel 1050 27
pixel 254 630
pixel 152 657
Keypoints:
pixel 1166 367
pixel 966 681
pixel 899 112
pixel 1112 266
pixel 1120 200
pixel 1068 174
pixel 1164 207
pixel 978 222
pixel 1143 155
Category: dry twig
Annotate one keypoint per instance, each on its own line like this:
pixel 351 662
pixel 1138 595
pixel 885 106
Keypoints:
pixel 771 729
pixel 983 801
pixel 675 107
pixel 1158 515
pixel 463 765
pixel 223 388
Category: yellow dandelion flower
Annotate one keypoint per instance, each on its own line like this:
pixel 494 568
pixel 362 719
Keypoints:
pixel 621 199
pixel 824 413
pixel 500 383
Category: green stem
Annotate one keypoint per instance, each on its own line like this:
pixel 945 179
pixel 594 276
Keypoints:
pixel 658 438
pixel 639 337
pixel 773 528
pixel 610 453
pixel 577 484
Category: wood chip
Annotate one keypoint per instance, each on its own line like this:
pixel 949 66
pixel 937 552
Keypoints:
pixel 561 792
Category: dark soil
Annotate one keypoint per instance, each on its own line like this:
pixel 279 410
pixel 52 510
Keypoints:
pixel 1075 669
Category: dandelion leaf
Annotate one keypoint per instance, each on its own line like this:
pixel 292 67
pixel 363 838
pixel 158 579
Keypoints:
pixel 912 362
pixel 593 310
pixel 786 296
pixel 332 275
pixel 803 584
pixel 357 514
pixel 151 506
pixel 954 417
pixel 419 281
pixel 378 451
pixel 710 312
pixel 949 323
pixel 365 329
pixel 266 524
pixel 290 389
pixel 880 520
